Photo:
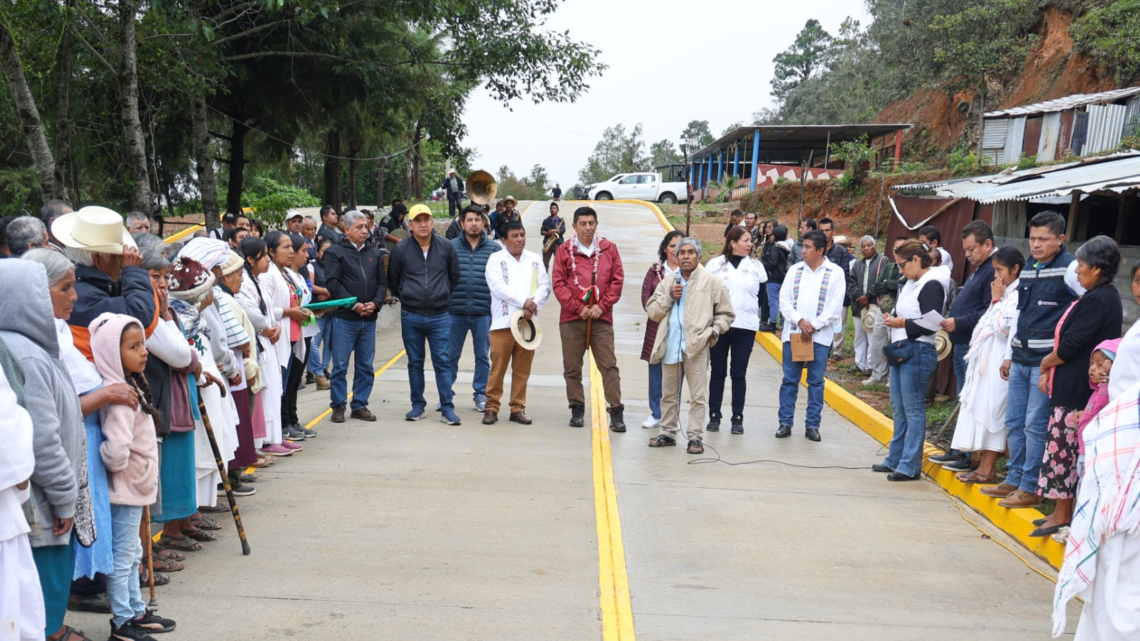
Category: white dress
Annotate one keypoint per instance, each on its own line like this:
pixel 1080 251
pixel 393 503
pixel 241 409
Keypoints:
pixel 223 419
pixel 981 421
pixel 269 361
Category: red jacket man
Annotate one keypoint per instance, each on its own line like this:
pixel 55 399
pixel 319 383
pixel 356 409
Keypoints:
pixel 587 281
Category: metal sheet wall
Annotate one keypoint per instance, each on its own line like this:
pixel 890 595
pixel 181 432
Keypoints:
pixel 993 139
pixel 915 209
pixel 1014 139
pixel 1106 122
pixel 1131 116
pixel 1050 133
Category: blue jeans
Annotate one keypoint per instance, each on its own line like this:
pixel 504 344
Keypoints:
pixel 126 550
pixel 908 403
pixel 436 330
pixel 318 364
pixel 480 328
pixel 959 356
pixel 655 390
pixel 773 302
pixel 1026 420
pixel 790 386
pixel 356 338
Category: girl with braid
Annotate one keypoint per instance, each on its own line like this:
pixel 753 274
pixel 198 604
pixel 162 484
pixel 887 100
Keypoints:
pixel 130 453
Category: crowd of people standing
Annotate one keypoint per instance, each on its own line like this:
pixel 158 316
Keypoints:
pixel 125 361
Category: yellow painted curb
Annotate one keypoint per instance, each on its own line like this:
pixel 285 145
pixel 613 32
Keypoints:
pixel 177 236
pixel 613 581
pixel 1016 523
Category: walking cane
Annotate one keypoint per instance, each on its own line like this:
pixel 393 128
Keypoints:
pixel 149 557
pixel 225 477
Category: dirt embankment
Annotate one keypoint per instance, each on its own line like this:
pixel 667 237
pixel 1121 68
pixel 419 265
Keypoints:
pixel 1052 70
pixel 855 213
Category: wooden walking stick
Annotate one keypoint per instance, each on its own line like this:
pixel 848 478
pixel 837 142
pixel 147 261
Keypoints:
pixel 149 557
pixel 225 477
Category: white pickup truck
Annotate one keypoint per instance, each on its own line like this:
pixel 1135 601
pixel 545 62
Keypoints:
pixel 640 186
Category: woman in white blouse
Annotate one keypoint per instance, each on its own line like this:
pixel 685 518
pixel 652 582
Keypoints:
pixel 913 358
pixel 743 275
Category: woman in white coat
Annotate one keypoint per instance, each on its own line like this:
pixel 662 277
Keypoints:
pixel 743 275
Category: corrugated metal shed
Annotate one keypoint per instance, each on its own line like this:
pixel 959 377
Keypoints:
pixel 1117 173
pixel 1068 102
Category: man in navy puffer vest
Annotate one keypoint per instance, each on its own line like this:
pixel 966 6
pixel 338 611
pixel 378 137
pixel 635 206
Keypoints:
pixel 470 307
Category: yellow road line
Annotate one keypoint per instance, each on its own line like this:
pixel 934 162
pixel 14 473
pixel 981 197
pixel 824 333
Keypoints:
pixel 320 417
pixel 613 581
pixel 175 237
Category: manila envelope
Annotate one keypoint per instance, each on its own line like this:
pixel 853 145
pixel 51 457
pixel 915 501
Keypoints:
pixel 803 350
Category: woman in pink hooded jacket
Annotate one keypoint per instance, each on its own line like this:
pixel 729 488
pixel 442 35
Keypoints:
pixel 130 452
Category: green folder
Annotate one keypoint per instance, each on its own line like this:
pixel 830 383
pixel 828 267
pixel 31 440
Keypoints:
pixel 330 304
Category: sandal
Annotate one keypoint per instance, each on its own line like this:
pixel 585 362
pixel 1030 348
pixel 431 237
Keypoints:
pixel 974 477
pixel 71 634
pixel 205 523
pixel 181 543
pixel 695 447
pixel 159 579
pixel 265 461
pixel 662 440
pixel 200 535
pixel 169 555
pixel 166 565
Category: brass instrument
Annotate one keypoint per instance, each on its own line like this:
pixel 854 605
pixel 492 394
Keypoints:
pixel 553 238
pixel 481 187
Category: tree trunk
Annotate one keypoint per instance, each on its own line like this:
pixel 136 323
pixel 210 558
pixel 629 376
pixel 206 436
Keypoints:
pixel 382 165
pixel 63 130
pixel 352 149
pixel 29 114
pixel 417 160
pixel 237 166
pixel 204 165
pixel 332 170
pixel 129 108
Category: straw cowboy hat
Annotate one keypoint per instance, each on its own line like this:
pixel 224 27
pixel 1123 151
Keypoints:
pixel 843 240
pixel 868 317
pixel 95 229
pixel 509 199
pixel 942 344
pixel 527 332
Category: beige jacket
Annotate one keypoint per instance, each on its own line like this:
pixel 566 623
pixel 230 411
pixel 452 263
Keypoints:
pixel 708 309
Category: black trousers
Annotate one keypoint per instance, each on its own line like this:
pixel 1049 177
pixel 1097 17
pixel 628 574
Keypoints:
pixel 764 303
pixel 737 345
pixel 294 374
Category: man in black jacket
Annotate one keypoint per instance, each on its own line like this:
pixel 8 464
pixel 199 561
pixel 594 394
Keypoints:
pixel 971 303
pixel 454 188
pixel 354 268
pixel 422 271
pixel 328 228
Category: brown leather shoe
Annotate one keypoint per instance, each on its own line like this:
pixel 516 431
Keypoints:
pixel 490 417
pixel 520 417
pixel 998 491
pixel 322 382
pixel 363 414
pixel 338 415
pixel 1020 499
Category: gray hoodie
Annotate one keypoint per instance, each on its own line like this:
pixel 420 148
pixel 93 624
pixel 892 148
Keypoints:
pixel 27 325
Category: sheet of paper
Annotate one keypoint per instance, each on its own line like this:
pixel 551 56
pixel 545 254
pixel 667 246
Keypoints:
pixel 930 320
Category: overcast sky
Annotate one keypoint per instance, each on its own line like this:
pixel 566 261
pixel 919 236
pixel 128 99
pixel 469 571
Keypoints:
pixel 669 62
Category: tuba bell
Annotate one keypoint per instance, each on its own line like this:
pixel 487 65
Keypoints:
pixel 481 187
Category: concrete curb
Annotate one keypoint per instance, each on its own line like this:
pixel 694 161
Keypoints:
pixel 1016 523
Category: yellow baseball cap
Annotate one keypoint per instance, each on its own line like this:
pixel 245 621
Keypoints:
pixel 419 210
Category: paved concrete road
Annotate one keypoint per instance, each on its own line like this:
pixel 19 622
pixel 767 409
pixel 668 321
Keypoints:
pixel 397 530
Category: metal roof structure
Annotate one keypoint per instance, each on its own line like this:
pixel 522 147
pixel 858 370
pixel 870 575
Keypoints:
pixel 796 142
pixel 1066 103
pixel 1117 173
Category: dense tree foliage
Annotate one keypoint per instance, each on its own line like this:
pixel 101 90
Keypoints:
pixel 186 104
